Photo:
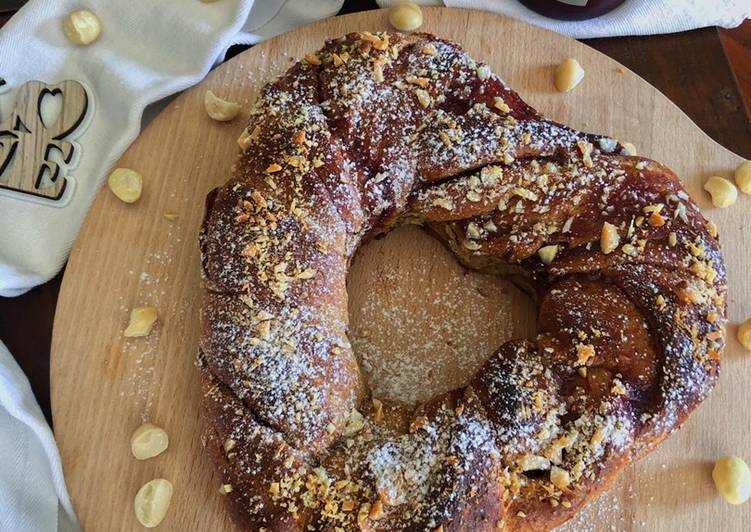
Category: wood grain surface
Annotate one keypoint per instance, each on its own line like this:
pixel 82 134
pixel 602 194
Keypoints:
pixel 104 386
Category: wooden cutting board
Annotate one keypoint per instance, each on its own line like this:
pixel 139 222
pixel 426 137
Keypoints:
pixel 408 296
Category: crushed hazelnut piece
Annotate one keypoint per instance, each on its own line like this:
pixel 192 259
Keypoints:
pixel 499 104
pixel 609 238
pixel 444 203
pixel 376 510
pixel 308 273
pixel 560 478
pixel 273 168
pixel 423 97
pixel 377 410
pixel 547 253
pixel 656 219
pixel 142 319
pixel 312 59
pixel 429 49
pixel 584 353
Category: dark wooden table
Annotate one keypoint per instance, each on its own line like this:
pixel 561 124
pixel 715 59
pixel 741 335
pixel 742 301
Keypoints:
pixel 706 72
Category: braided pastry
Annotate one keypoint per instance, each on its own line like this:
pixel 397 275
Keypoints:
pixel 381 129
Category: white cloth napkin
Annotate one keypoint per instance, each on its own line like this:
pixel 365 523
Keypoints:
pixel 148 50
pixel 32 490
pixel 633 17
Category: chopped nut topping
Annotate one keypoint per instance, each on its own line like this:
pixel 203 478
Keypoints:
pixel 378 73
pixel 473 230
pixel 308 273
pixel 471 245
pixel 264 329
pixel 609 238
pixel 630 250
pixel 547 253
pixel 299 138
pixel 429 49
pixel 531 462
pixel 584 354
pixel 560 478
pixel 312 59
pixel 656 219
pixel 524 193
pixel 423 97
pixel 376 510
pixel 444 203
pixel 250 250
pixel 420 82
pixel 377 410
pixel 499 104
pixel 273 168
pixel 419 423
pixel 473 196
pixel 711 229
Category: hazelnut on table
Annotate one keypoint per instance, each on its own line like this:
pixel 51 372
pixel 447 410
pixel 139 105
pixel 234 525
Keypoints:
pixel 142 319
pixel 732 477
pixel 82 27
pixel 743 177
pixel 126 184
pixel 148 441
pixel 568 75
pixel 405 16
pixel 220 109
pixel 723 192
pixel 152 502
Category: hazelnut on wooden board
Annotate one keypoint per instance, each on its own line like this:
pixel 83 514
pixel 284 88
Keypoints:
pixel 219 109
pixel 568 75
pixel 126 184
pixel 744 334
pixel 732 477
pixel 405 16
pixel 152 502
pixel 743 177
pixel 82 27
pixel 723 192
pixel 142 320
pixel 148 441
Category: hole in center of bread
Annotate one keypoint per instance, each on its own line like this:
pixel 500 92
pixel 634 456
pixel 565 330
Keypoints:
pixel 420 323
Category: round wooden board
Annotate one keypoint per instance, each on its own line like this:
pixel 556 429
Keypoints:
pixel 104 386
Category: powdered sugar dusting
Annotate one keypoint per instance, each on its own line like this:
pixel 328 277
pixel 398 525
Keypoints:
pixel 406 353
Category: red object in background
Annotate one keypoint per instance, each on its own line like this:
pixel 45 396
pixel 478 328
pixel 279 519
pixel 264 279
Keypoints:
pixel 572 9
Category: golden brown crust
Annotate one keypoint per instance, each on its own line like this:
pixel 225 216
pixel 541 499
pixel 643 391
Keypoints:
pixel 377 129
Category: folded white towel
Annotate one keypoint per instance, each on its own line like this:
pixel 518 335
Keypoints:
pixel 32 489
pixel 633 17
